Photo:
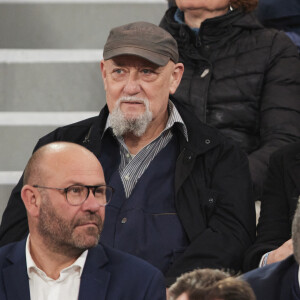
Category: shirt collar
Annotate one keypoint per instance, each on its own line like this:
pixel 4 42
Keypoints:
pixel 174 117
pixel 31 266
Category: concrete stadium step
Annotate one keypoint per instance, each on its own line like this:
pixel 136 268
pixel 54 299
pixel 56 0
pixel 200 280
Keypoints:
pixel 51 80
pixel 20 132
pixel 19 145
pixel 62 24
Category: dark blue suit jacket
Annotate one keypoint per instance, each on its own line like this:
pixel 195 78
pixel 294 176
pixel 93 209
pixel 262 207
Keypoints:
pixel 278 281
pixel 107 274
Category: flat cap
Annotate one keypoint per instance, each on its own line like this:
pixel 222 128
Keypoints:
pixel 141 39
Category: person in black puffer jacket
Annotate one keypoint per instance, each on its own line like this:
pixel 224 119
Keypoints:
pixel 239 77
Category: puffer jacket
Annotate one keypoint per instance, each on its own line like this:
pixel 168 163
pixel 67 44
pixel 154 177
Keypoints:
pixel 244 80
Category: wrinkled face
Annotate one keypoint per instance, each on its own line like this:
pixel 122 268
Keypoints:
pixel 132 83
pixel 63 227
pixel 210 5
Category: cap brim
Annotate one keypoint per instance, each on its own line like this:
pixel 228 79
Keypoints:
pixel 156 58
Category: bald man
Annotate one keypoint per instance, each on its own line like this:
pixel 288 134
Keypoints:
pixel 65 195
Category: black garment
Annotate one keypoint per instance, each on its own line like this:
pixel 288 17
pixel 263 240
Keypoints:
pixel 279 202
pixel 242 79
pixel 213 193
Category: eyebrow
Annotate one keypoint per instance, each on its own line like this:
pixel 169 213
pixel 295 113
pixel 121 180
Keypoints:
pixel 79 183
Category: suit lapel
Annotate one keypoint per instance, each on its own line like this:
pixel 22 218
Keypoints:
pixel 95 278
pixel 15 274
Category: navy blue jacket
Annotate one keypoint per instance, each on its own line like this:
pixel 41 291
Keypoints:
pixel 213 193
pixel 278 204
pixel 280 13
pixel 107 274
pixel 278 281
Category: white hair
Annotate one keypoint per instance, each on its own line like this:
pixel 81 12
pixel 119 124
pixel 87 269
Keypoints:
pixel 122 124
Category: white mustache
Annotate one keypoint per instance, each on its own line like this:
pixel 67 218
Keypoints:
pixel 133 99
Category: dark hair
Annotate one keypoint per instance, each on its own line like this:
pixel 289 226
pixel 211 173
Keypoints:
pixel 194 282
pixel 209 284
pixel 230 289
pixel 245 5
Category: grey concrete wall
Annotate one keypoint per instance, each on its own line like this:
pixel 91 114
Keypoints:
pixel 67 25
pixel 44 86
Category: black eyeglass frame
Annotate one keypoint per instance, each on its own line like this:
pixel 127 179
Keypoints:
pixel 89 187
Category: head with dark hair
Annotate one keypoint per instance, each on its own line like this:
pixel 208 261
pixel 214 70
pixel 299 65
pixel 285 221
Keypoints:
pixel 230 289
pixel 194 283
pixel 209 284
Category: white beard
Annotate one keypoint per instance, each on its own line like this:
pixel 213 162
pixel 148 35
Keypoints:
pixel 121 124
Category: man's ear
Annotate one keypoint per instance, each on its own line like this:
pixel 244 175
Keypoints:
pixel 32 199
pixel 176 77
pixel 103 72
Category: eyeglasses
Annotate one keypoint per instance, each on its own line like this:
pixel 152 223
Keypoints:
pixel 76 194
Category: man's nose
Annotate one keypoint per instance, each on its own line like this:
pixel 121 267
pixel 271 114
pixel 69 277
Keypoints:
pixel 132 86
pixel 91 203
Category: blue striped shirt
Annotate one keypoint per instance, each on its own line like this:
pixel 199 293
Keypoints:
pixel 132 167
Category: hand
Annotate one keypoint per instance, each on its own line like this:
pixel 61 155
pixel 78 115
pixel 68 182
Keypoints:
pixel 281 253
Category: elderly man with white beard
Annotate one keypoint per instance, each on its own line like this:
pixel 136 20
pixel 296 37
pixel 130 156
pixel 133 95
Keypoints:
pixel 183 193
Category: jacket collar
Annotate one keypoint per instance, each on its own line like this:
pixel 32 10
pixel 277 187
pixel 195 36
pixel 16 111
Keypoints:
pixel 213 32
pixel 15 274
pixel 95 278
pixel 202 137
pixel 92 140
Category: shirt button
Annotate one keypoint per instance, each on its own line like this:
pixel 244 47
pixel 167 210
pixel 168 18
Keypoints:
pixel 127 155
pixel 207 142
pixel 127 177
pixel 124 220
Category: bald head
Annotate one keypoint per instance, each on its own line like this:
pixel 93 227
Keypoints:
pixel 59 224
pixel 54 158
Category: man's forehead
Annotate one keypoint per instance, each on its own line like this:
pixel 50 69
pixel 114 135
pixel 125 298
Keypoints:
pixel 132 60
